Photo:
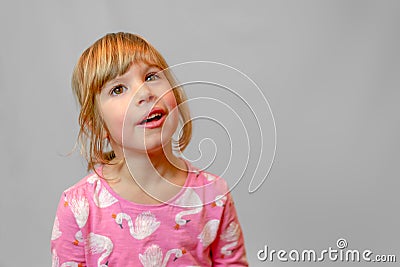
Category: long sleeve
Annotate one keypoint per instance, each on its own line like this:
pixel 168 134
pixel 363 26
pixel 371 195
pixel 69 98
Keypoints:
pixel 228 248
pixel 67 244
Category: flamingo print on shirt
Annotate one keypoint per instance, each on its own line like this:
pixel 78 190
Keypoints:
pixel 153 256
pixel 100 244
pixel 231 235
pixel 78 238
pixel 79 206
pixel 219 201
pixel 56 261
pixel 101 197
pixel 210 177
pixel 56 233
pixel 145 224
pixel 189 199
pixel 71 264
pixel 207 236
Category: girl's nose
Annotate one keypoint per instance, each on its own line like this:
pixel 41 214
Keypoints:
pixel 144 95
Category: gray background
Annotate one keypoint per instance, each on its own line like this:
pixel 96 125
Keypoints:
pixel 328 68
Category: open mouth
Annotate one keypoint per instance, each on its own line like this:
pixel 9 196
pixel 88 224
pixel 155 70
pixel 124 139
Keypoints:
pixel 152 117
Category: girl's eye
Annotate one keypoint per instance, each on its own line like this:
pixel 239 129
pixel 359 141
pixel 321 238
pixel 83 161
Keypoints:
pixel 151 77
pixel 117 90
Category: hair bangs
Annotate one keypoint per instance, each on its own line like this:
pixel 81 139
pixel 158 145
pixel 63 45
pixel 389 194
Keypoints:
pixel 112 56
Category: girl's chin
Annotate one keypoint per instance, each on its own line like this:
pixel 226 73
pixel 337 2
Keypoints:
pixel 150 147
pixel 152 143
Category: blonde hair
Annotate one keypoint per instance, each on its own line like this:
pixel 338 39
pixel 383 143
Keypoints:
pixel 107 58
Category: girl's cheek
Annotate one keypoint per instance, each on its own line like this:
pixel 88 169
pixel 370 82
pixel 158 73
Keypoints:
pixel 170 100
pixel 115 122
pixel 173 117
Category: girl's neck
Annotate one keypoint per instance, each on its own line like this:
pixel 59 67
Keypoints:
pixel 148 169
pixel 147 178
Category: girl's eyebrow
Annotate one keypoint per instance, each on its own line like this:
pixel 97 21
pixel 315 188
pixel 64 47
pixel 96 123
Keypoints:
pixel 113 82
pixel 153 66
pixel 117 80
pixel 120 79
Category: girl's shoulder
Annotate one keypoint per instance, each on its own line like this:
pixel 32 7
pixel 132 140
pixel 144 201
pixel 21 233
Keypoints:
pixel 84 186
pixel 208 186
pixel 201 178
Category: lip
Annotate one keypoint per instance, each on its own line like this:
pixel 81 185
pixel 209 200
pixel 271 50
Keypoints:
pixel 152 124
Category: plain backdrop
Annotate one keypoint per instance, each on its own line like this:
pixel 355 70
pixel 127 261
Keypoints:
pixel 329 70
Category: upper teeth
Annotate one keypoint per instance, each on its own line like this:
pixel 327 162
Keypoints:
pixel 154 115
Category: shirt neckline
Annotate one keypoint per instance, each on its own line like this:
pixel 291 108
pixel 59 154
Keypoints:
pixel 191 174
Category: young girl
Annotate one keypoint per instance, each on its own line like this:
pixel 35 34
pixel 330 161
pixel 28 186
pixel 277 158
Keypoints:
pixel 141 205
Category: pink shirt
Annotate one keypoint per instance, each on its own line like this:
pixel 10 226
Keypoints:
pixel 198 227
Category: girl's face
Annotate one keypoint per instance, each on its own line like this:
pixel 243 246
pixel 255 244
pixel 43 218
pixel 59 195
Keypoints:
pixel 139 110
